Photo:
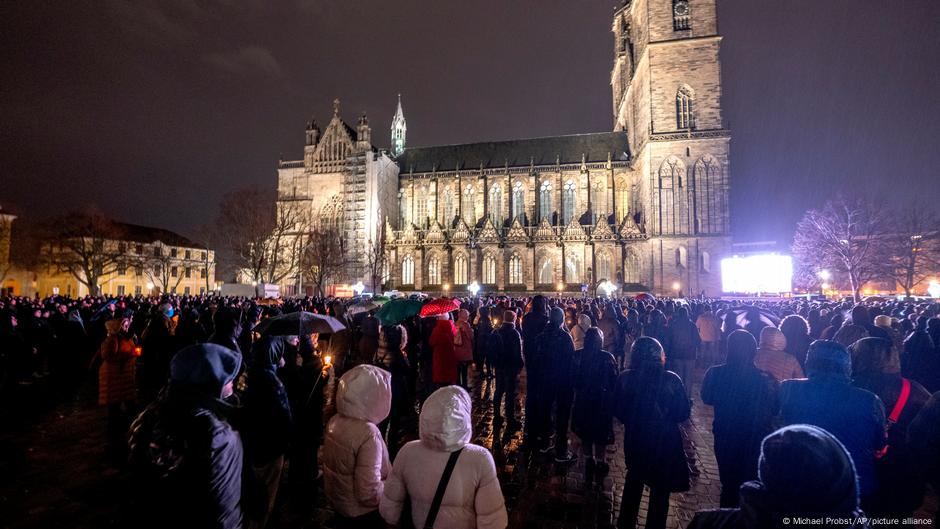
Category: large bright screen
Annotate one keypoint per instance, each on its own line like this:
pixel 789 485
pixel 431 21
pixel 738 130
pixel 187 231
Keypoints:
pixel 757 274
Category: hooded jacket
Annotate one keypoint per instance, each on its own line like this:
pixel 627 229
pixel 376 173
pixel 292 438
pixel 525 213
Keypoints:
pixel 267 412
pixel 355 458
pixel 773 358
pixel 473 498
pixel 577 332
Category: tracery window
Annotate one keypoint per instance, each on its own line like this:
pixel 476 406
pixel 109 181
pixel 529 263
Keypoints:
pixel 434 271
pixel 448 207
pixel 489 270
pixel 461 270
pixel 685 108
pixel 518 201
pixel 545 271
pixel 467 206
pixel 545 200
pixel 515 270
pixel 408 270
pixel 568 201
pixel 496 204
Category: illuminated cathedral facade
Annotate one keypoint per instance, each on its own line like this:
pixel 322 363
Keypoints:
pixel 644 206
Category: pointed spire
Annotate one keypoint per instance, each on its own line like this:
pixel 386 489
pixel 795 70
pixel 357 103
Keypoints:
pixel 336 107
pixel 399 130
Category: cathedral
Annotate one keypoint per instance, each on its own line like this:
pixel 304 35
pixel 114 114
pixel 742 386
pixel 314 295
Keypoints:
pixel 644 207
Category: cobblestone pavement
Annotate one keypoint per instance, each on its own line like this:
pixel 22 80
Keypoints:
pixel 54 474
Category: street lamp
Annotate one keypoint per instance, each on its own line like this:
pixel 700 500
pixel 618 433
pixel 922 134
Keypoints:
pixel 358 288
pixel 446 287
pixel 824 275
pixel 677 287
pixel 474 288
pixel 149 287
pixel 608 287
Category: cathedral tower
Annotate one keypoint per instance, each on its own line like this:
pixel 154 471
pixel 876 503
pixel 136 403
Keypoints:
pixel 399 130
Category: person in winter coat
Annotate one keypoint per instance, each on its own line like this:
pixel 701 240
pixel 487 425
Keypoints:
pixel 553 364
pixel 472 497
pixel 341 342
pixel 369 339
pixel 609 326
pixel 158 347
pixel 901 490
pixel 923 438
pixel 796 331
pixel 773 358
pixel 481 339
pixel 804 472
pixel 709 330
pixel 533 323
pixel 580 329
pixel 592 420
pixel 391 356
pixel 919 360
pixel 683 342
pixel 506 345
pixel 651 402
pixel 444 362
pixel 355 458
pixel 746 401
pixel 463 347
pixel 117 387
pixel 267 426
pixel 186 458
pixel 828 400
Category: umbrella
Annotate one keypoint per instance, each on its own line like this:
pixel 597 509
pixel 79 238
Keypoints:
pixel 270 301
pixel 744 316
pixel 645 296
pixel 360 307
pixel 398 310
pixel 439 306
pixel 299 323
pixel 380 300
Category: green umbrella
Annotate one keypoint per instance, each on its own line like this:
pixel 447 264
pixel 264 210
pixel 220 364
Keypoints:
pixel 380 300
pixel 398 310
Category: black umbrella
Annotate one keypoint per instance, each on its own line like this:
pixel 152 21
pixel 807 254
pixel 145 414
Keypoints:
pixel 299 324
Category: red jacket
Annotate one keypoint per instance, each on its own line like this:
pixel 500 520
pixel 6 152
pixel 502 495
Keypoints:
pixel 444 363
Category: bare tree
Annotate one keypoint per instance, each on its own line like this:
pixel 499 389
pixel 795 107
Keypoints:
pixel 205 236
pixel 163 270
pixel 85 245
pixel 914 246
pixel 845 236
pixel 323 256
pixel 6 241
pixel 376 260
pixel 258 234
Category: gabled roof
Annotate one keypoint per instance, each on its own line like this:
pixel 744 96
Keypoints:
pixel 591 148
pixel 146 234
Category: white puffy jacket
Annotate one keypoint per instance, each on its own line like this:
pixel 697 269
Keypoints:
pixel 473 498
pixel 355 458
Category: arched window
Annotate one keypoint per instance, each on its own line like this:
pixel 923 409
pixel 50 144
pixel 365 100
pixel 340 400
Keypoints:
pixel 461 270
pixel 599 201
pixel 515 270
pixel 708 196
pixel 403 217
pixel 434 271
pixel 682 257
pixel 572 269
pixel 545 200
pixel 386 274
pixel 408 270
pixel 623 199
pixel 421 206
pixel 706 260
pixel 546 274
pixel 603 267
pixel 670 203
pixel 685 108
pixel 448 207
pixel 518 200
pixel 489 270
pixel 631 272
pixel 568 201
pixel 496 204
pixel 466 205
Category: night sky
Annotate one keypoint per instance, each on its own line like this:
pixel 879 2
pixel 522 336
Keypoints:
pixel 151 110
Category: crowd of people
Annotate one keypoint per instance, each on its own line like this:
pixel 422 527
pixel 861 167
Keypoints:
pixel 821 409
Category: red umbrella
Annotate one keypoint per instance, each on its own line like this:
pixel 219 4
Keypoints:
pixel 439 306
pixel 645 296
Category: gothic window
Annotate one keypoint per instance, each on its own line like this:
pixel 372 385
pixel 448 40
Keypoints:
pixel 515 270
pixel 572 269
pixel 682 257
pixel 568 200
pixel 603 267
pixel 518 200
pixel 434 271
pixel 680 15
pixel 466 205
pixel 408 270
pixel 685 107
pixel 386 273
pixel 708 203
pixel 599 200
pixel 461 270
pixel 448 207
pixel 631 273
pixel 669 203
pixel 496 204
pixel 545 199
pixel 489 270
pixel 421 206
pixel 706 262
pixel 545 271
pixel 623 199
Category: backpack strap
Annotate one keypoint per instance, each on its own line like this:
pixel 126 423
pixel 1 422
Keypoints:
pixel 901 402
pixel 441 489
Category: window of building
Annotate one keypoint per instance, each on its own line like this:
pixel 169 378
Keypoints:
pixel 545 200
pixel 421 206
pixel 708 196
pixel 706 259
pixel 568 201
pixel 122 269
pixel 120 290
pixel 631 272
pixel 137 290
pixel 434 271
pixel 186 291
pixel 603 267
pixel 685 108
pixel 157 251
pixel 572 269
pixel 188 254
pixel 204 256
pixel 599 201
pixel 140 249
pixel 138 271
pixel 448 207
pixel 461 270
pixel 174 271
pixel 515 270
pixel 518 200
pixel 386 273
pixel 546 272
pixel 403 216
pixel 408 270
pixel 681 19
pixel 202 290
pixel 466 205
pixel 669 203
pixel 489 270
pixel 682 257
pixel 188 272
pixel 122 248
pixel 496 204
pixel 173 253
pixel 203 273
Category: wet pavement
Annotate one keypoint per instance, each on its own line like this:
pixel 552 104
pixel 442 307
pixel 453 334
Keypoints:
pixel 54 473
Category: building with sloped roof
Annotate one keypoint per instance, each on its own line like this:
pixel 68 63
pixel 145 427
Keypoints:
pixel 644 206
